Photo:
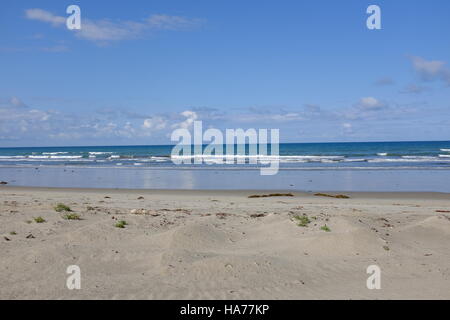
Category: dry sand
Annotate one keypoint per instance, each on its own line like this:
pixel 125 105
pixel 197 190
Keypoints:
pixel 223 245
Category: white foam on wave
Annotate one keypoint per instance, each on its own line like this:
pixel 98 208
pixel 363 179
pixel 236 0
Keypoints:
pixel 12 157
pixel 296 158
pixel 66 157
pixel 444 155
pixel 355 160
pixel 53 153
pixel 409 159
pixel 54 157
pixel 418 157
pixel 98 153
pixel 445 150
pixel 382 154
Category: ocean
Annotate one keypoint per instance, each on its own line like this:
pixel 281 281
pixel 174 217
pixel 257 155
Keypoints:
pixel 361 155
pixel 419 166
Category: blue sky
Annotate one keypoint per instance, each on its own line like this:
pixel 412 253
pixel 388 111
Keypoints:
pixel 137 70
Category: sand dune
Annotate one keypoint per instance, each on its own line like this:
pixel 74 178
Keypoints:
pixel 223 245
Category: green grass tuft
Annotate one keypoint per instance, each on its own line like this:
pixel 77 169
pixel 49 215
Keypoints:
pixel 303 221
pixel 71 216
pixel 121 224
pixel 60 207
pixel 39 220
pixel 325 228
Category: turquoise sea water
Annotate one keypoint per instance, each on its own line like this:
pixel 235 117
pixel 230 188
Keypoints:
pixel 367 155
pixel 374 166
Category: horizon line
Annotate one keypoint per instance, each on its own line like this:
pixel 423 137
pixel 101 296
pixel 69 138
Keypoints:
pixel 166 145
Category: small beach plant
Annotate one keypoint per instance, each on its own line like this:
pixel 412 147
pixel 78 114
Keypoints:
pixel 60 207
pixel 71 216
pixel 39 220
pixel 325 228
pixel 303 221
pixel 121 224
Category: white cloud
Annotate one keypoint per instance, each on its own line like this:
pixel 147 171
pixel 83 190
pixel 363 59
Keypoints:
pixel 386 81
pixel 267 118
pixel 44 16
pixel 366 108
pixel 347 128
pixel 166 22
pixel 371 103
pixel 16 102
pixel 190 117
pixel 413 89
pixel 155 123
pixel 104 30
pixel 28 125
pixel 431 70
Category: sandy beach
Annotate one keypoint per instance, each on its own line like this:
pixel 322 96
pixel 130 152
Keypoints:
pixel 222 244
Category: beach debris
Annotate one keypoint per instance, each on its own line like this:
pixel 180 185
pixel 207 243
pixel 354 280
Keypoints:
pixel 7 239
pixel 257 215
pixel 338 196
pixel 428 254
pixel 144 212
pixel 60 207
pixel 3 182
pixel 140 198
pixel 443 211
pixel 222 215
pixel 186 211
pixel 205 214
pixel 386 248
pixel 107 197
pixel 271 195
pixel 30 236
